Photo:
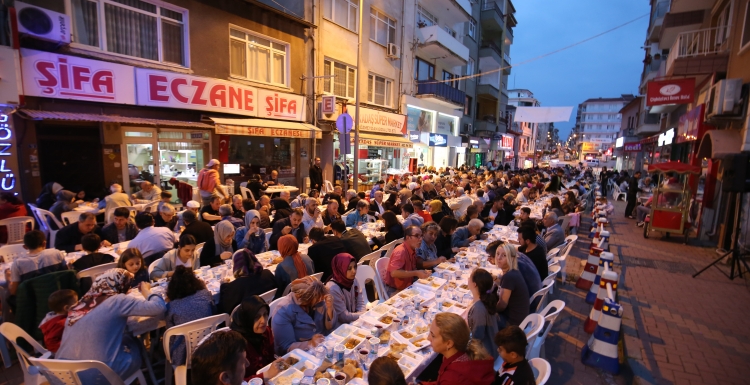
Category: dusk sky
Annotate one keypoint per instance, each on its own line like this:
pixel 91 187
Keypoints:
pixel 607 66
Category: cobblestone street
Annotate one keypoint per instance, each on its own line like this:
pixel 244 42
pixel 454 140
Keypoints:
pixel 677 329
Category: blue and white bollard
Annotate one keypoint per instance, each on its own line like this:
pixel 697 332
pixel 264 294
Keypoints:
pixel 601 351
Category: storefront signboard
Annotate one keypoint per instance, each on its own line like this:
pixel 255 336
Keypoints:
pixel 8 157
pixel 665 138
pixel 384 143
pixel 690 126
pixel 588 146
pixel 446 124
pixel 419 120
pixel 632 147
pixel 50 75
pixel 619 142
pixel 264 131
pixel 175 90
pixel 507 143
pixel 381 122
pixel 414 136
pixel 672 91
pixel 438 140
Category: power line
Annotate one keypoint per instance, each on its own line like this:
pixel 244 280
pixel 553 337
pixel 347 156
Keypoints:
pixel 538 57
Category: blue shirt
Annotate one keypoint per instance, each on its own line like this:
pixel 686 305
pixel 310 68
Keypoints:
pixel 427 252
pixel 460 237
pixel 355 217
pixel 372 192
pixel 292 324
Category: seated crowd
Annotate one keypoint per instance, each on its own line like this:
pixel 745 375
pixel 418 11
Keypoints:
pixel 430 218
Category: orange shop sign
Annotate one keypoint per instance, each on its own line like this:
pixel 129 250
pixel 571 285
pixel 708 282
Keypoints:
pixel 222 129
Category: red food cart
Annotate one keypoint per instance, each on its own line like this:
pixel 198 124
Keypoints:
pixel 670 205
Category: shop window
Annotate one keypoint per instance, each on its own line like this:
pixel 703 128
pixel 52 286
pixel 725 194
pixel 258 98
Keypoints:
pixel 379 90
pixel 343 83
pixel 342 12
pixel 258 58
pixel 382 28
pixel 134 28
pixel 260 155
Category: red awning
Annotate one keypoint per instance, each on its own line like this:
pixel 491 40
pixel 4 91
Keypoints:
pixel 678 167
pixel 651 139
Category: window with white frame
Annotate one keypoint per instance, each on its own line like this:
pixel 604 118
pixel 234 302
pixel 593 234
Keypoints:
pixel 382 28
pixel 342 12
pixel 137 28
pixel 745 38
pixel 342 84
pixel 473 29
pixel 379 90
pixel 425 18
pixel 724 21
pixel 257 58
pixel 470 67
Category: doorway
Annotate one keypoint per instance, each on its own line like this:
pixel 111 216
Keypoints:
pixel 72 157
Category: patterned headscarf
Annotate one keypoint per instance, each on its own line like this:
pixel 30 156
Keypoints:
pixel 245 263
pixel 289 248
pixel 339 265
pixel 112 282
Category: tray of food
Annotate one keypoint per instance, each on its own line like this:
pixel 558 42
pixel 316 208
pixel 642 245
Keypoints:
pixel 451 306
pixel 448 266
pixel 296 359
pixel 286 377
pixel 408 365
pixel 413 344
pixel 420 341
pixel 430 283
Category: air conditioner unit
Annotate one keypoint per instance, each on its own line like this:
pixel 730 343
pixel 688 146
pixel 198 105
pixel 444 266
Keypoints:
pixel 723 96
pixel 42 23
pixel 394 52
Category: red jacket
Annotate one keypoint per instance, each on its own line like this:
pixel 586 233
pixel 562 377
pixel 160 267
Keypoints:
pixel 53 332
pixel 459 369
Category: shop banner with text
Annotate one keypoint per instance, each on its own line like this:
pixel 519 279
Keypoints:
pixel 381 122
pixel 672 91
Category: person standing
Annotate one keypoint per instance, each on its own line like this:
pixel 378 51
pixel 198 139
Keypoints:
pixel 604 178
pixel 632 195
pixel 210 184
pixel 316 175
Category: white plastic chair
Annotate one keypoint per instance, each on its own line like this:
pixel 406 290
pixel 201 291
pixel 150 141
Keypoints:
pixel 542 293
pixel 70 217
pixel 268 296
pixel 571 241
pixel 193 331
pixel 391 246
pixel 199 248
pixel 553 270
pixel 273 307
pixel 318 276
pixel 150 207
pixel 96 271
pixel 367 258
pixel 532 325
pixel 16 228
pixel 180 375
pixel 287 290
pixel 44 218
pixel 616 192
pixel 553 253
pixel 9 253
pixel 381 266
pixel 542 370
pixel 66 372
pixel 365 272
pixel 550 314
pixel 12 333
pixel 566 223
pixel 328 187
pixel 246 192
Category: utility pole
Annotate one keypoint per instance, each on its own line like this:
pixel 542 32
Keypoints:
pixel 355 148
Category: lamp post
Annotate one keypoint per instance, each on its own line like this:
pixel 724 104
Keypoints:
pixel 355 177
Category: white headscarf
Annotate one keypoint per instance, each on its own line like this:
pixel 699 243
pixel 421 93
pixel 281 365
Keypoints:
pixel 222 230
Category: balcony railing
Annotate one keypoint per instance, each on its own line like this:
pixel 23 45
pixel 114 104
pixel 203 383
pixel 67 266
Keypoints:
pixel 702 42
pixel 646 118
pixel 441 90
pixel 506 57
pixel 489 5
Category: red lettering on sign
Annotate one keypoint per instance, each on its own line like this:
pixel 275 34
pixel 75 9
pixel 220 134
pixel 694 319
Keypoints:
pixel 256 131
pixel 280 106
pixel 174 87
pixel 64 73
pixel 218 92
pixel 200 86
pixel 157 85
pixel 249 100
pixel 80 75
pixel 45 69
pixel 235 95
pixel 103 81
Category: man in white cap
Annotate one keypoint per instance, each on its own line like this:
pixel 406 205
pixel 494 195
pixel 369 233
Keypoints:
pixel 210 184
pixel 193 206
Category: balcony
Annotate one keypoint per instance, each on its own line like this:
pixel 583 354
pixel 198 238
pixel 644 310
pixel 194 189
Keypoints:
pixel 485 125
pixel 676 22
pixel 515 129
pixel 651 71
pixel 647 123
pixel 506 64
pixel 493 19
pixel 657 18
pixel 487 90
pixel 699 52
pixel 510 23
pixel 435 42
pixel 441 93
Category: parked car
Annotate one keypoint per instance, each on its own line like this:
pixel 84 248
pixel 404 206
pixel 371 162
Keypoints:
pixel 592 163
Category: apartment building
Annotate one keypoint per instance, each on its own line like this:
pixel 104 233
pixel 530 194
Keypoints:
pixel 600 123
pixel 527 132
pixel 152 90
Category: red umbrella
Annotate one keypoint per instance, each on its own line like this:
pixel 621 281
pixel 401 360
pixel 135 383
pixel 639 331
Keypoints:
pixel 677 167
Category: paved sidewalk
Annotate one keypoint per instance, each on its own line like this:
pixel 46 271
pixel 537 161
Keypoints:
pixel 677 329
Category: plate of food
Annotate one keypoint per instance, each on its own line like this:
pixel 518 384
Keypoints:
pixel 408 365
pixel 351 368
pixel 344 330
pixel 447 266
pixel 353 342
pixel 296 359
pixel 452 306
pixel 420 341
pixel 286 377
pixel 430 283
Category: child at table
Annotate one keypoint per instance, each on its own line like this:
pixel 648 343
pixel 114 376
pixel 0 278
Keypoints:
pixel 132 261
pixel 53 324
pixel 511 344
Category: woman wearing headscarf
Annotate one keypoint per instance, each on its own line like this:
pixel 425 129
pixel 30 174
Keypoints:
pixel 221 247
pixel 436 210
pixel 251 236
pixel 250 278
pixel 348 300
pixel 304 317
pixel 294 264
pixel 47 197
pixel 63 204
pixel 251 320
pixel 95 327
